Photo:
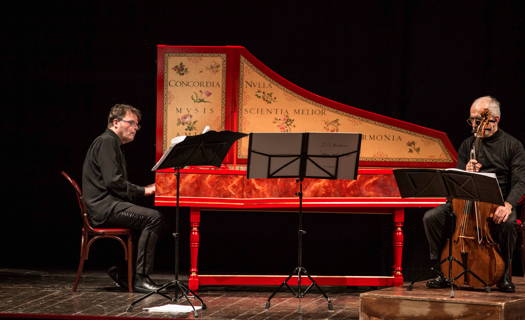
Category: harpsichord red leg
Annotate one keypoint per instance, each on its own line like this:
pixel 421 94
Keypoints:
pixel 195 220
pixel 399 219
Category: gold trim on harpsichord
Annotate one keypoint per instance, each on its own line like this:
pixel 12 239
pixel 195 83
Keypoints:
pixel 219 203
pixel 268 94
pixel 193 121
pixel 296 203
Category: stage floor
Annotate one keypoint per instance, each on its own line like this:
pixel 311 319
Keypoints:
pixel 47 295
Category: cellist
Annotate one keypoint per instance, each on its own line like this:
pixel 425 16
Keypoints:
pixel 498 153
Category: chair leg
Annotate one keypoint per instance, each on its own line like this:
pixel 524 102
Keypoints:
pixel 80 263
pixel 130 264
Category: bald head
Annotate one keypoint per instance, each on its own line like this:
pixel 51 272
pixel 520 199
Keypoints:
pixel 479 106
pixel 486 102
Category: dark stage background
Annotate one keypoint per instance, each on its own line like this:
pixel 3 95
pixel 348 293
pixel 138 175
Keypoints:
pixel 65 63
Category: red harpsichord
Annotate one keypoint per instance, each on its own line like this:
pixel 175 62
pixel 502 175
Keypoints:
pixel 227 88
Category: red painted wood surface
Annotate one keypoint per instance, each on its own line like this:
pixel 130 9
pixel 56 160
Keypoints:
pixel 235 186
pixel 224 188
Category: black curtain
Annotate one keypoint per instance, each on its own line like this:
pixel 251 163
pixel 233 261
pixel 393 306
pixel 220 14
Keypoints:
pixel 65 63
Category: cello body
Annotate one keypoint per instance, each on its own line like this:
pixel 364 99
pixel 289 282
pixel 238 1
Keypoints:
pixel 473 246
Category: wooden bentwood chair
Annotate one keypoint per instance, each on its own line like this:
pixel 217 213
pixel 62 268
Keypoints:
pixel 90 235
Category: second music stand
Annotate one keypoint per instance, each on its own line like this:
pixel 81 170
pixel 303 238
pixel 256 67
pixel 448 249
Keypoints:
pixel 303 155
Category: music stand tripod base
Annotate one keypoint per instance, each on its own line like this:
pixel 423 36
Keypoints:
pixel 299 293
pixel 181 290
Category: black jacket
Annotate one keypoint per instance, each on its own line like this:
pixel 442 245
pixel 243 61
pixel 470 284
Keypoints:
pixel 105 182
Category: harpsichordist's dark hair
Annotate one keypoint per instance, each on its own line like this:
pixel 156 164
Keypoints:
pixel 119 111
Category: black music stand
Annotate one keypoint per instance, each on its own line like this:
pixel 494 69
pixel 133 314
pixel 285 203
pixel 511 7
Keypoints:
pixel 303 155
pixel 209 148
pixel 452 184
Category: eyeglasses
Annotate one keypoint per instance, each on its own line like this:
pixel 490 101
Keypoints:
pixel 132 123
pixel 476 121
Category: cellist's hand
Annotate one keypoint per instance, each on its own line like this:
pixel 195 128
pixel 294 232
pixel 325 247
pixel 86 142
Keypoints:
pixel 502 213
pixel 473 166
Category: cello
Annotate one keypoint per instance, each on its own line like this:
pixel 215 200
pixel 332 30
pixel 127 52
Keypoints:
pixel 472 245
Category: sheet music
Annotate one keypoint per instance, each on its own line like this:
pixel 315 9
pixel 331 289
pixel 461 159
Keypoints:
pixel 488 174
pixel 172 308
pixel 174 142
pixel 487 184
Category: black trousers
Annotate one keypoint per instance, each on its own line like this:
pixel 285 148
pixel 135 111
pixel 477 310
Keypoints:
pixel 437 229
pixel 150 223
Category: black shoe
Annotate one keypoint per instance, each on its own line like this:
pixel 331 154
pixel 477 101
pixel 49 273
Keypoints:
pixel 438 282
pixel 118 278
pixel 506 285
pixel 144 284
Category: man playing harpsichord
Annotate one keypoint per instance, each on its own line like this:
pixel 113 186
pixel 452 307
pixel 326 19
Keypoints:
pixel 110 196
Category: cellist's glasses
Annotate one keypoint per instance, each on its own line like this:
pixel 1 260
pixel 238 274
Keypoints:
pixel 477 121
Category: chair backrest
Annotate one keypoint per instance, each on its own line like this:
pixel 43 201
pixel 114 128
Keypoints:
pixel 80 201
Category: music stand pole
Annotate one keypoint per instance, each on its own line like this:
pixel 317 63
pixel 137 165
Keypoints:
pixel 300 233
pixel 180 287
pixel 299 270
